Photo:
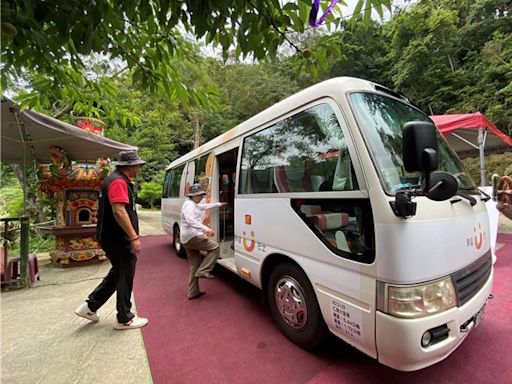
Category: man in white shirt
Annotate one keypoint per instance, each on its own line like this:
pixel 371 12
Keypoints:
pixel 195 238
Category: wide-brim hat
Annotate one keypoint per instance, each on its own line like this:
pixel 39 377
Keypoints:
pixel 129 158
pixel 196 190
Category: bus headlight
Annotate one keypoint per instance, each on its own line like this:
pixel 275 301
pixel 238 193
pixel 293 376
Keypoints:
pixel 420 300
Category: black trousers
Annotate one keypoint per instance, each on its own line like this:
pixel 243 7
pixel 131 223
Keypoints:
pixel 119 279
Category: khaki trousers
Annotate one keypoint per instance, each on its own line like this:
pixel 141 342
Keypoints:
pixel 198 264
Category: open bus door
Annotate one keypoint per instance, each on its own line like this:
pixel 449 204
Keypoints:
pixel 225 179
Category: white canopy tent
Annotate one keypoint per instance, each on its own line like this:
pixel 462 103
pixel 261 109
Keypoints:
pixel 26 136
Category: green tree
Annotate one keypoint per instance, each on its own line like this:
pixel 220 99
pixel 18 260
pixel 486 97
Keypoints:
pixel 149 192
pixel 453 56
pixel 11 194
pixel 160 126
pixel 50 40
pixel 197 74
pixel 363 53
pixel 423 44
pixel 250 88
pixel 489 89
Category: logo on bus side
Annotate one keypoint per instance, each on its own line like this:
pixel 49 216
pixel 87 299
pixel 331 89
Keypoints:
pixel 249 245
pixel 477 238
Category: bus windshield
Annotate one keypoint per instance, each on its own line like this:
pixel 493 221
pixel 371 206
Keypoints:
pixel 381 120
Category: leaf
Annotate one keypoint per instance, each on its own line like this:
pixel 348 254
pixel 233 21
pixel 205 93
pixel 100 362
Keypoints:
pixel 167 88
pixel 129 8
pixel 163 10
pixel 296 22
pixel 357 11
pixel 367 14
pixel 40 40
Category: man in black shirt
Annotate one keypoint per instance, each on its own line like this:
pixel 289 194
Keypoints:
pixel 117 232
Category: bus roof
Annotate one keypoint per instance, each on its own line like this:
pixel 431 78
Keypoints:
pixel 331 87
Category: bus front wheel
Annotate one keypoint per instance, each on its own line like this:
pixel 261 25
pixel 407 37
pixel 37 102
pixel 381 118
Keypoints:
pixel 178 247
pixel 294 306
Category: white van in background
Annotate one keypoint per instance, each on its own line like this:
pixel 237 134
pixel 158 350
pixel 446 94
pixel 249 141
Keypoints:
pixel 353 215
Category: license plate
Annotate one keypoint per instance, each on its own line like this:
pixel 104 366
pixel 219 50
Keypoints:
pixel 479 317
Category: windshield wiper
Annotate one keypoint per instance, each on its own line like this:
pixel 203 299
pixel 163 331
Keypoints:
pixel 469 198
pixel 486 198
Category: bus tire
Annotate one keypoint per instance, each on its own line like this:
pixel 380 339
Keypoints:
pixel 176 243
pixel 294 306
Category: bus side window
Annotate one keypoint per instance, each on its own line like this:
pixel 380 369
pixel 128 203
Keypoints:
pixel 292 179
pixel 261 180
pixel 174 181
pixel 306 152
pixel 344 174
pixel 257 163
pixel 245 183
pixel 344 225
pixel 167 183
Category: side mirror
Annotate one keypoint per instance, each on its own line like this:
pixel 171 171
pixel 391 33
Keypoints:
pixel 419 145
pixel 442 186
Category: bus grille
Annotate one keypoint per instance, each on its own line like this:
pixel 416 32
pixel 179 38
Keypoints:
pixel 470 280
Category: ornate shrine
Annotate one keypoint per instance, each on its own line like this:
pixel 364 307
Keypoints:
pixel 76 187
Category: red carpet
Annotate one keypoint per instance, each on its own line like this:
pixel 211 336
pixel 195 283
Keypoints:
pixel 228 336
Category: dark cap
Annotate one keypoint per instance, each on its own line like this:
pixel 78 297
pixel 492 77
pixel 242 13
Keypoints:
pixel 196 190
pixel 129 158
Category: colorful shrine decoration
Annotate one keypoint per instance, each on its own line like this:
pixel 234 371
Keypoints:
pixel 75 186
pixel 90 124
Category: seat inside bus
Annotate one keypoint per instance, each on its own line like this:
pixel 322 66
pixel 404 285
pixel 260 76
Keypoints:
pixel 329 224
pixel 261 180
pixel 292 179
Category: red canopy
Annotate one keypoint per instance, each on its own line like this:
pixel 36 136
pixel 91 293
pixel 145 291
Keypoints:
pixel 461 131
pixel 472 135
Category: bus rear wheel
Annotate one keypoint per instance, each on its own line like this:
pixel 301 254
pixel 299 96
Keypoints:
pixel 294 306
pixel 178 247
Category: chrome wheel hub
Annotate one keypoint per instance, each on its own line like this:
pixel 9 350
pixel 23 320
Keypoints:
pixel 291 303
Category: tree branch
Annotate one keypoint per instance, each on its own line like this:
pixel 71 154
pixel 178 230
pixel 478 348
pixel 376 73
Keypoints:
pixel 273 23
pixel 68 108
pixel 62 111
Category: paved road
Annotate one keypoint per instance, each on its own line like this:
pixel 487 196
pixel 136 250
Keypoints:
pixel 43 341
pixel 149 222
pixel 505 225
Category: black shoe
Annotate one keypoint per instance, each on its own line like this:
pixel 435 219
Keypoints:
pixel 197 296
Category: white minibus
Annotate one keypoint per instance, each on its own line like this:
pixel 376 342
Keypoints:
pixel 353 215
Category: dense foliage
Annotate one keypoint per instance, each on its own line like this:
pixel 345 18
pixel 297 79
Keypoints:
pixel 500 164
pixel 50 43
